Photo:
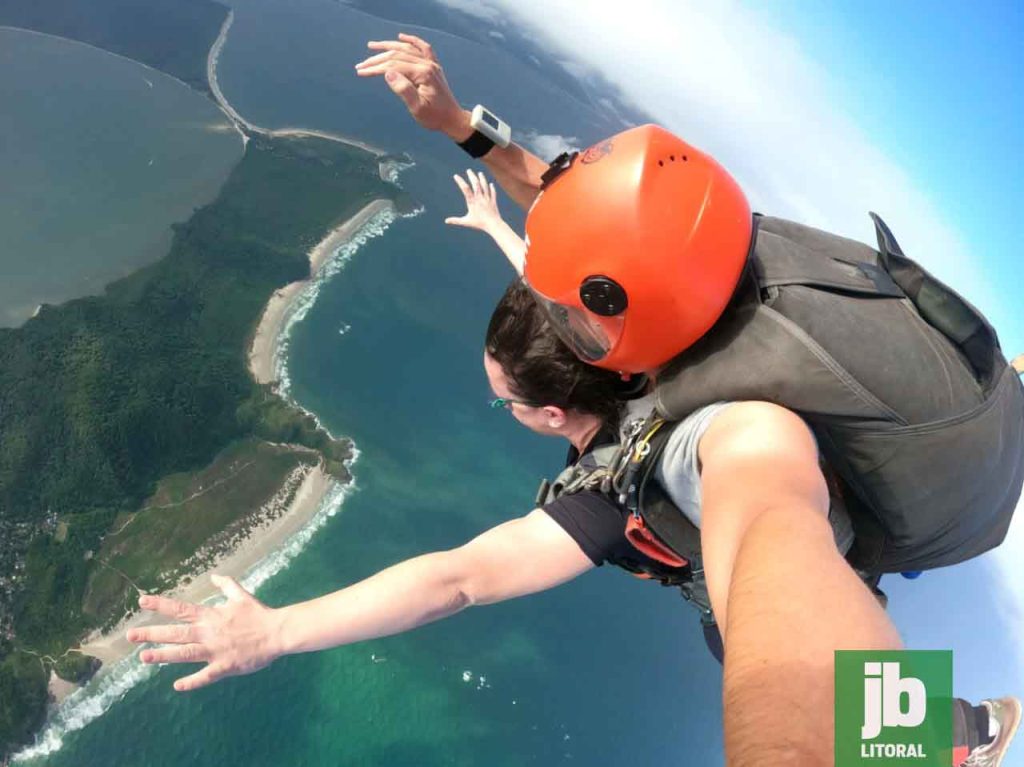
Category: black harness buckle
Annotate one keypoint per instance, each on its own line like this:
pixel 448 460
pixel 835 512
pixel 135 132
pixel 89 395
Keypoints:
pixel 558 166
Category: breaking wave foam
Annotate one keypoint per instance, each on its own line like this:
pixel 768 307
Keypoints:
pixel 86 704
pixel 280 559
pixel 391 169
pixel 374 227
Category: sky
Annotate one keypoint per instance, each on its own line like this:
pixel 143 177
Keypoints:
pixel 824 111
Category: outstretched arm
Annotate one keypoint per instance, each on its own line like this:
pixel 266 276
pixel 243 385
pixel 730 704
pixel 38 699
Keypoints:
pixel 244 635
pixel 412 71
pixel 784 597
pixel 482 213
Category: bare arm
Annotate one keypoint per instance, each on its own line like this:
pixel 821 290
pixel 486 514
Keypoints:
pixel 482 213
pixel 244 635
pixel 784 597
pixel 412 71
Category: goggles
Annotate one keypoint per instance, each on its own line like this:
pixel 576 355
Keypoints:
pixel 591 332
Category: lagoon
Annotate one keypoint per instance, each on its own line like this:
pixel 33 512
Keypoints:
pixel 100 156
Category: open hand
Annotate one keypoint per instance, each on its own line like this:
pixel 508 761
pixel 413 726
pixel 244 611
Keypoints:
pixel 481 203
pixel 233 638
pixel 414 74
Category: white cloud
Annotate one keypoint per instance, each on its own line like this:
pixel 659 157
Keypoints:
pixel 730 81
pixel 575 68
pixel 485 11
pixel 548 146
pixel 495 34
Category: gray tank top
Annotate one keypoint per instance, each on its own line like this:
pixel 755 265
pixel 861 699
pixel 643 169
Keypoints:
pixel 679 469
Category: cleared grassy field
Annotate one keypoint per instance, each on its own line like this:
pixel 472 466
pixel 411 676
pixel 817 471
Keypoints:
pixel 190 517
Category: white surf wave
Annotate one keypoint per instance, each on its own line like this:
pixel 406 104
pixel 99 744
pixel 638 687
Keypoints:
pixel 295 545
pixel 392 169
pixel 85 705
pixel 374 227
pixel 95 698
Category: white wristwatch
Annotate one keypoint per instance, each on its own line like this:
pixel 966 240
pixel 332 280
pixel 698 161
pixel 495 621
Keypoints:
pixel 488 130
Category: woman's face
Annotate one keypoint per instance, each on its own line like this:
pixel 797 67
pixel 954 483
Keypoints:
pixel 540 419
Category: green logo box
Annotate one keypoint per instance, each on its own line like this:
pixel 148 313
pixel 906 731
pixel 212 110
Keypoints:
pixel 894 707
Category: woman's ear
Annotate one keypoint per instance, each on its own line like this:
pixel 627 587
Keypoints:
pixel 555 416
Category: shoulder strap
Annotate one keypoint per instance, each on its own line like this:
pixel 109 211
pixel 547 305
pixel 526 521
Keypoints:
pixel 592 472
pixel 660 513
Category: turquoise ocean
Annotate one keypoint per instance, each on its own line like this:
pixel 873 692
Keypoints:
pixel 604 670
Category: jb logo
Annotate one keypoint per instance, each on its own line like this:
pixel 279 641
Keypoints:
pixel 883 699
pixel 894 707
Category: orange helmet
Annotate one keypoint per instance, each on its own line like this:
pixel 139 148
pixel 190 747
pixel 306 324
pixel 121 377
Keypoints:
pixel 636 247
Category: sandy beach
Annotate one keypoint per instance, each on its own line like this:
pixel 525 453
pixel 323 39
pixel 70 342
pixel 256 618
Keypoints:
pixel 282 303
pixel 265 540
pixel 243 125
pixel 113 646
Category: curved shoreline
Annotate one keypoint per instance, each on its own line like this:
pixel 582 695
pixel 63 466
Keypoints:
pixel 317 485
pixel 112 647
pixel 267 338
pixel 244 126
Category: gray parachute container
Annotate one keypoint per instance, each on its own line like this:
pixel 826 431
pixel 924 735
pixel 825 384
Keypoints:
pixel 901 380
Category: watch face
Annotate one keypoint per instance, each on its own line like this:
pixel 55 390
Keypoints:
pixel 490 119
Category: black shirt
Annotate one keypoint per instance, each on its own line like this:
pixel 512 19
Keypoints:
pixel 593 520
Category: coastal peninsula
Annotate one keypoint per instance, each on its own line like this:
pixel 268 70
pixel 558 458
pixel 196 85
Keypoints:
pixel 158 447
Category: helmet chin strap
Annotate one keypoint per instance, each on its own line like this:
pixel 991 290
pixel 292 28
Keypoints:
pixel 633 386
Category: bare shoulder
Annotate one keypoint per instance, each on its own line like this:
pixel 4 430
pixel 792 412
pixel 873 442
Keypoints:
pixel 747 429
pixel 760 454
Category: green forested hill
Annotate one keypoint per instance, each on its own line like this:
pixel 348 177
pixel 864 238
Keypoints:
pixel 103 396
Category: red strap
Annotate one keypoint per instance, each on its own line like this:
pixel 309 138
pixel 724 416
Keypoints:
pixel 644 541
pixel 960 755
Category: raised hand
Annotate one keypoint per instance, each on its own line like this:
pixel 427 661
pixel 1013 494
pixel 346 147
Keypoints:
pixel 413 73
pixel 234 638
pixel 481 203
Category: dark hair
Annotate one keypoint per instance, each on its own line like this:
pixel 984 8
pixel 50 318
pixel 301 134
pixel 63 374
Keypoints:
pixel 540 367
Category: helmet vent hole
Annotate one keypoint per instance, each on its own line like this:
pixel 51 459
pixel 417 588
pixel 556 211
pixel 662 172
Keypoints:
pixel 672 157
pixel 685 158
pixel 661 163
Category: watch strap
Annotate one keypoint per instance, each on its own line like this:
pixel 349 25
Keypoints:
pixel 477 145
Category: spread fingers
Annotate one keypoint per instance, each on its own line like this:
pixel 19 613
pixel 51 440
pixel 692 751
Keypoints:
pixel 205 676
pixel 380 58
pixel 179 634
pixel 421 45
pixel 189 653
pixel 172 608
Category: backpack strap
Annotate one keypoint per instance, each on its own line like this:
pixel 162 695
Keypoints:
pixel 661 515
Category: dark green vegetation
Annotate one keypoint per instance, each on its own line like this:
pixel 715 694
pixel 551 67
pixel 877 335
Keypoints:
pixel 192 517
pixel 170 35
pixel 103 397
pixel 75 667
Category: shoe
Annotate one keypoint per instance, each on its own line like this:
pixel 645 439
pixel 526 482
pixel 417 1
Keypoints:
pixel 1006 711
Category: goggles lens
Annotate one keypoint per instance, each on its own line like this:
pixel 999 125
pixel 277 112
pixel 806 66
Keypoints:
pixel 591 337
